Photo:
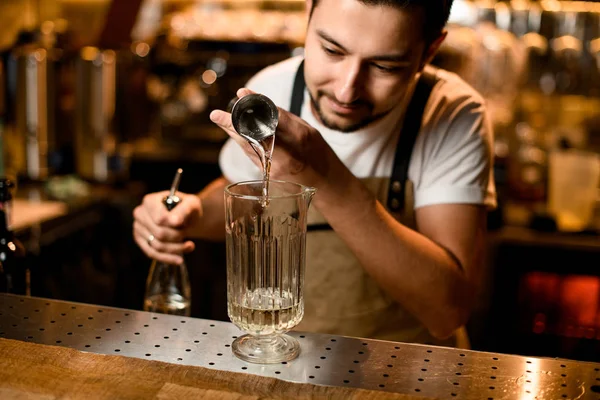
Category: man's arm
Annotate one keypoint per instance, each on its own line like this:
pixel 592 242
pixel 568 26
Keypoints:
pixel 434 274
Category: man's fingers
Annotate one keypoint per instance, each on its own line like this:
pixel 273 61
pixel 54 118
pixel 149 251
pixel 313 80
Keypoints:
pixel 164 233
pixel 223 120
pixel 153 208
pixel 183 214
pixel 171 248
pixel 188 209
pixel 244 92
pixel 157 249
pixel 290 125
pixel 152 253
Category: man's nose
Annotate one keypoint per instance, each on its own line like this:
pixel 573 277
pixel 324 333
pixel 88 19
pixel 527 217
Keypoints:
pixel 349 83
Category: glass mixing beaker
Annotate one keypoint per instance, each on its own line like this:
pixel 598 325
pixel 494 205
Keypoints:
pixel 265 266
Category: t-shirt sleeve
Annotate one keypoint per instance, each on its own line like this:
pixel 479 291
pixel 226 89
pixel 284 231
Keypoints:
pixel 235 164
pixel 455 163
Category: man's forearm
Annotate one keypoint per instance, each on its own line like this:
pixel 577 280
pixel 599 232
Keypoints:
pixel 212 222
pixel 415 271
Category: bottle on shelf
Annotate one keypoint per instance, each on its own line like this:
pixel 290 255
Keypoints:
pixel 168 289
pixel 14 273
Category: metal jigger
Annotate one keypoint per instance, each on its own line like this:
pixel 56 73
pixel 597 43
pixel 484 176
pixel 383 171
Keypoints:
pixel 255 117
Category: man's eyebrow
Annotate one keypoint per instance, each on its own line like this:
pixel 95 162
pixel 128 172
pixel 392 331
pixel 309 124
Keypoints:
pixel 397 58
pixel 331 40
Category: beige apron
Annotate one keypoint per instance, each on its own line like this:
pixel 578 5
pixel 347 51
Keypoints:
pixel 341 298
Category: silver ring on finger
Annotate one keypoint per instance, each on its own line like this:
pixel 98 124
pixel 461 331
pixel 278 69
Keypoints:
pixel 150 240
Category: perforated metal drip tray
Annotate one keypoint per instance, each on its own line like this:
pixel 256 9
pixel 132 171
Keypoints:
pixel 328 360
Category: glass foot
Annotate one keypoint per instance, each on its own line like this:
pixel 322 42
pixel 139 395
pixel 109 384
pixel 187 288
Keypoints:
pixel 266 349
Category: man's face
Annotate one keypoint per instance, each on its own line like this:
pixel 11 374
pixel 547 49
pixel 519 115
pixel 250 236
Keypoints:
pixel 360 60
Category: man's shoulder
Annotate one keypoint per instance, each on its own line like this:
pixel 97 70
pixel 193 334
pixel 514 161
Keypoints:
pixel 452 91
pixel 455 114
pixel 276 81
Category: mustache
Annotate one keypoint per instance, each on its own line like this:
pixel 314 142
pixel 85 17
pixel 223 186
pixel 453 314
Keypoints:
pixel 355 103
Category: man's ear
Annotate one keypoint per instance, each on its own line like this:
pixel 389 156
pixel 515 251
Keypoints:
pixel 432 49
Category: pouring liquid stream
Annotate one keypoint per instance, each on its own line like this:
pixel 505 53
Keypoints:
pixel 264 150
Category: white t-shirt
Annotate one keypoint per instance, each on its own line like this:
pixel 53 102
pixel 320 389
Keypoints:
pixel 452 158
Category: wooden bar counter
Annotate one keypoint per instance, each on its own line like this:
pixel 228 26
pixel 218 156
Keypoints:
pixel 54 349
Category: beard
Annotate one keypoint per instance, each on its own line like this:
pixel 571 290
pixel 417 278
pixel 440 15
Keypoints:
pixel 351 126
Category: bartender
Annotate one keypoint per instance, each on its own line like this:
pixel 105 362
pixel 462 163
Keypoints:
pixel 401 156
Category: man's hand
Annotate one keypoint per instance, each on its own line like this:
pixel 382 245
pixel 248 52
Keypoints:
pixel 161 233
pixel 301 154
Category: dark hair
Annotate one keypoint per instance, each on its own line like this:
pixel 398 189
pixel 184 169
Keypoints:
pixel 436 12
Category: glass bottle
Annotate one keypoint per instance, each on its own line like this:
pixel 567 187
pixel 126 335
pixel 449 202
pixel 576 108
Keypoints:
pixel 14 274
pixel 168 289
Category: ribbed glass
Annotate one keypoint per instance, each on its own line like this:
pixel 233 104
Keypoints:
pixel 265 264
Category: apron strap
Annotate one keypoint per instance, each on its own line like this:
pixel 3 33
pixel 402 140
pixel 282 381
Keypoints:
pixel 408 136
pixel 296 109
pixel 409 132
pixel 298 91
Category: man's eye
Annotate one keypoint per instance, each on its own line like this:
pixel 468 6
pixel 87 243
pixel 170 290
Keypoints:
pixel 331 52
pixel 384 68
